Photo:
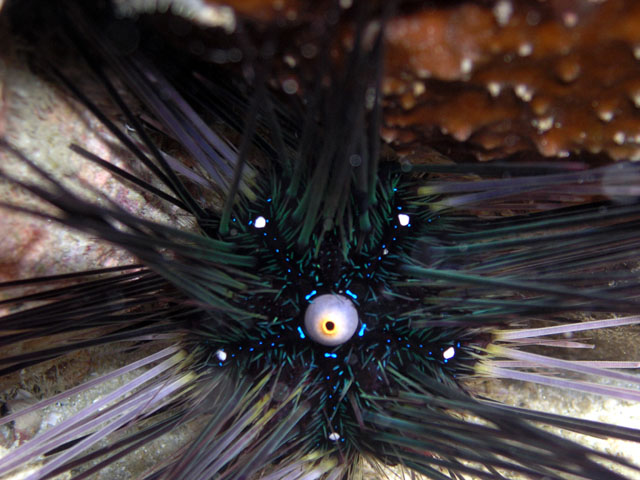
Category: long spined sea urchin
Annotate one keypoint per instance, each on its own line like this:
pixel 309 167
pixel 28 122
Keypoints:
pixel 327 307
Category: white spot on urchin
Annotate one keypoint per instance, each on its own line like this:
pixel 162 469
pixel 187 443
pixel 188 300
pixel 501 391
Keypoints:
pixel 494 88
pixel 334 436
pixel 260 222
pixel 449 353
pixel 525 49
pixel 418 88
pixel 221 355
pixel 523 92
pixel 404 219
pixel 619 138
pixel 502 11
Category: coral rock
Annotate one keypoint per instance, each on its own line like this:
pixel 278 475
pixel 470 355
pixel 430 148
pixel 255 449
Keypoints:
pixel 558 77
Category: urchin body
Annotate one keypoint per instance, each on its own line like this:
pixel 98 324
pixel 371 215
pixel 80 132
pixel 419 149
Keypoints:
pixel 336 313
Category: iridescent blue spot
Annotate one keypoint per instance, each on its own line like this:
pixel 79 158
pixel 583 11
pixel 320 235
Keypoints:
pixel 269 199
pixel 313 292
pixel 300 332
pixel 351 294
pixel 362 329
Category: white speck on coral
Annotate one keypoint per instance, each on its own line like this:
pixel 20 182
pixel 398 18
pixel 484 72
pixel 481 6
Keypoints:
pixel 525 49
pixel 543 124
pixel 523 92
pixel 418 88
pixel 502 11
pixel 466 65
pixel 570 19
pixel 605 115
pixel 494 88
